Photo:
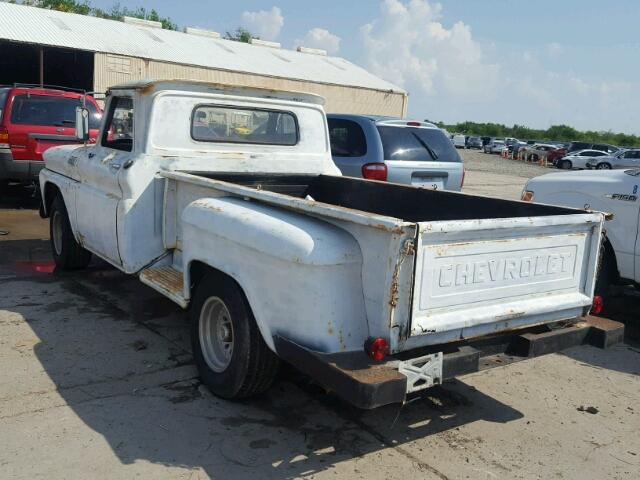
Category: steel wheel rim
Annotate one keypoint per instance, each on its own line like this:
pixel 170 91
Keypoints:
pixel 56 232
pixel 216 334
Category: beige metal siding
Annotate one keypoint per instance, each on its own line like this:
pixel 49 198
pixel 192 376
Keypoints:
pixel 113 69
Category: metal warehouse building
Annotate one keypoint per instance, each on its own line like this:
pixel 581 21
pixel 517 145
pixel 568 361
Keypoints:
pixel 55 48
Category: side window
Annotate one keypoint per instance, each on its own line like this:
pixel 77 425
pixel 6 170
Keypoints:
pixel 118 131
pixel 347 138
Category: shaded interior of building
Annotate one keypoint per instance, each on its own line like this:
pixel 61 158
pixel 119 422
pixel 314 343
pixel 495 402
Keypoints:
pixel 39 64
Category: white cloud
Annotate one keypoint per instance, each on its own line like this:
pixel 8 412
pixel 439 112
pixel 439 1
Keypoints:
pixel 554 49
pixel 265 23
pixel 451 77
pixel 320 38
pixel 409 45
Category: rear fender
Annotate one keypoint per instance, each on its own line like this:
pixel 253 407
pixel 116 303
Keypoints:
pixel 302 277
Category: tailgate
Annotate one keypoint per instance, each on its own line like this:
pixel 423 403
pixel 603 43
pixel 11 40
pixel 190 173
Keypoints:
pixel 475 277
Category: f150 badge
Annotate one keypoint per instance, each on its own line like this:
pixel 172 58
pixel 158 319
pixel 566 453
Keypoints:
pixel 622 196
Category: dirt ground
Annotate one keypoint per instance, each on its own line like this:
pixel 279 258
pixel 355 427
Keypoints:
pixel 97 381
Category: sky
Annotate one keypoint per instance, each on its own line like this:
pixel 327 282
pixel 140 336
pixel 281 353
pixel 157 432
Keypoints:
pixel 520 62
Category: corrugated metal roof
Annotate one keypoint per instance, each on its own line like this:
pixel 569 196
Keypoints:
pixel 47 27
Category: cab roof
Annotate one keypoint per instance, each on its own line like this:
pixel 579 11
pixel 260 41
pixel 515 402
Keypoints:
pixel 150 86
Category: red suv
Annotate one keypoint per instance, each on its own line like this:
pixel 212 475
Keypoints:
pixel 34 119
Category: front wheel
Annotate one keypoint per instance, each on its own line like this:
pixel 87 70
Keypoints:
pixel 233 360
pixel 67 253
pixel 603 166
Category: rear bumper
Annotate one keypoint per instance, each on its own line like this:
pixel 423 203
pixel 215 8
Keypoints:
pixel 367 384
pixel 18 170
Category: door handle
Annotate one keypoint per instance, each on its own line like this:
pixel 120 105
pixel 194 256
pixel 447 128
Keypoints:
pixel 114 166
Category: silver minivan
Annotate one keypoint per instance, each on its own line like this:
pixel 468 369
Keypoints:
pixel 395 150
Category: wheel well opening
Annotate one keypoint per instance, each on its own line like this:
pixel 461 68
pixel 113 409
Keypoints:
pixel 50 192
pixel 609 258
pixel 198 269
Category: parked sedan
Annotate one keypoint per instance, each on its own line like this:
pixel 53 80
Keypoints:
pixel 474 142
pixel 620 159
pixel 579 159
pixel 495 146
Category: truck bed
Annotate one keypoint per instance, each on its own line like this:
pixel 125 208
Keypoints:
pixel 389 199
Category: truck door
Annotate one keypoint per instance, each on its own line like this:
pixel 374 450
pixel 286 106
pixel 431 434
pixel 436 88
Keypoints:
pixel 99 192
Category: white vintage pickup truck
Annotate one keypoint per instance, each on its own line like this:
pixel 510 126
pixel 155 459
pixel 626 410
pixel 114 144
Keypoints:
pixel 226 200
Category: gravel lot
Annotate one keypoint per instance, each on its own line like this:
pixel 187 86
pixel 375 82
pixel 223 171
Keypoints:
pixel 492 175
pixel 97 381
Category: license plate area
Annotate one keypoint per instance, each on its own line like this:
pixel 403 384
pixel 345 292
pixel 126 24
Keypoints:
pixel 422 372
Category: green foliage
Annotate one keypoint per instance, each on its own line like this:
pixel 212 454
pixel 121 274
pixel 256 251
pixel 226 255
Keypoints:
pixel 562 133
pixel 116 13
pixel 240 35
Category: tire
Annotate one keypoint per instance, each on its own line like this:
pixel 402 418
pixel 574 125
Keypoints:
pixel 67 253
pixel 603 166
pixel 566 165
pixel 220 315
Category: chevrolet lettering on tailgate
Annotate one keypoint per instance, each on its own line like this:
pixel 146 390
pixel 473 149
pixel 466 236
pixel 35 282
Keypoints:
pixel 508 269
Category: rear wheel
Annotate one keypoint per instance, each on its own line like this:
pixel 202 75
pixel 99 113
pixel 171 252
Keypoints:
pixel 67 253
pixel 603 166
pixel 233 360
pixel 566 164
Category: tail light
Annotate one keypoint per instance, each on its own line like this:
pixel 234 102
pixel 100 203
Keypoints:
pixel 4 135
pixel 375 171
pixel 413 124
pixel 598 305
pixel 527 196
pixel 377 348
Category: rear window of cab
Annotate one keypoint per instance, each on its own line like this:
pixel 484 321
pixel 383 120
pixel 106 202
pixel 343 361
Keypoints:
pixel 227 124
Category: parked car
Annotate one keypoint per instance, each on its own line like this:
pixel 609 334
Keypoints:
pixel 614 192
pixel 474 142
pixel 494 146
pixel 374 289
pixel 400 151
pixel 556 153
pixel 575 146
pixel 459 141
pixel 538 150
pixel 578 159
pixel 516 147
pixel 620 159
pixel 34 119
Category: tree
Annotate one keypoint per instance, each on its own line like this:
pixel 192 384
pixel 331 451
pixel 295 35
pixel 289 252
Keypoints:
pixel 116 13
pixel 562 133
pixel 240 35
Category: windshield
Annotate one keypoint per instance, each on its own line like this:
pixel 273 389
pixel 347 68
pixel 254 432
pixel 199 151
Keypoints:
pixel 417 144
pixel 50 111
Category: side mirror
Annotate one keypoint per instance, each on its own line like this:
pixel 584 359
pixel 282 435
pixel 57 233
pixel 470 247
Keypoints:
pixel 82 124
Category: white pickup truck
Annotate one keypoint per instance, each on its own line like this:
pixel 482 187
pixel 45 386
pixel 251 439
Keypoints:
pixel 225 199
pixel 614 192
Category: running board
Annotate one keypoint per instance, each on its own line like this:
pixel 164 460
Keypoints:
pixel 166 280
